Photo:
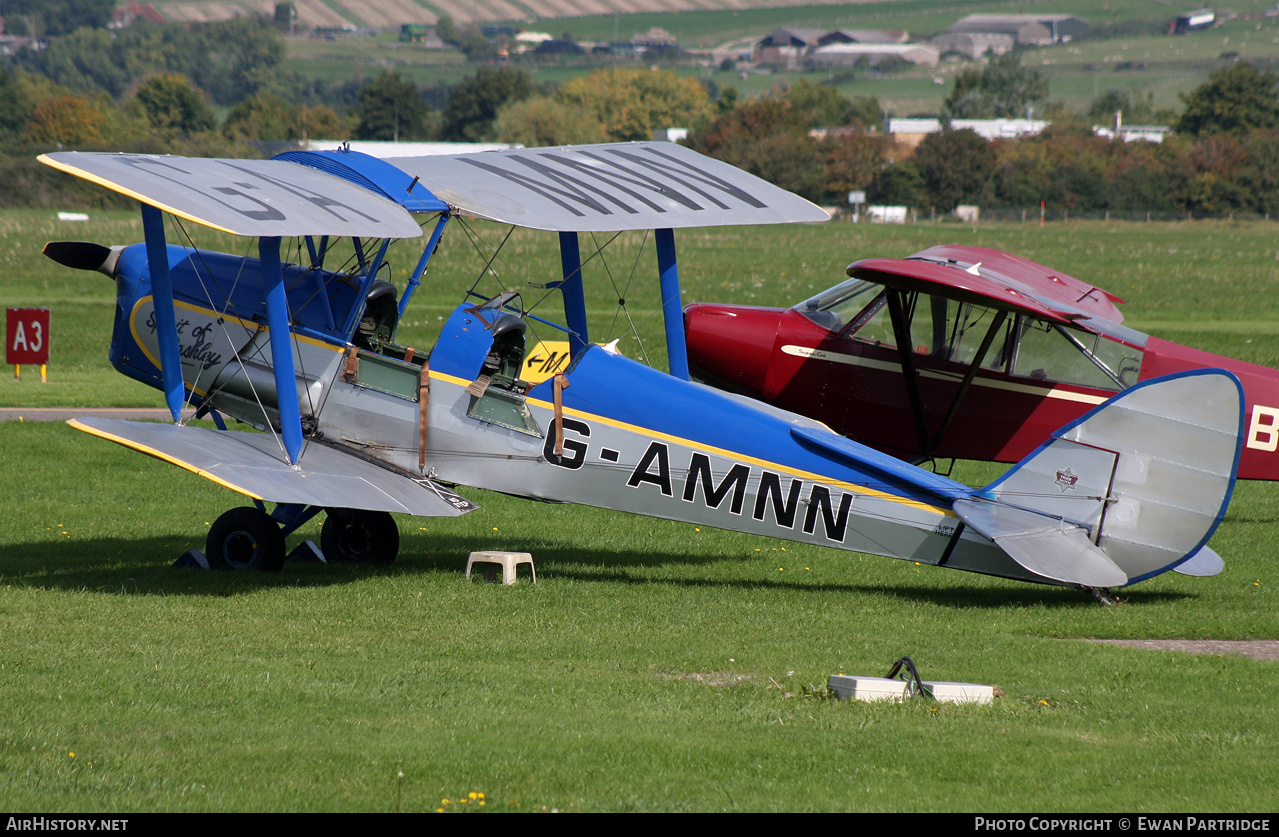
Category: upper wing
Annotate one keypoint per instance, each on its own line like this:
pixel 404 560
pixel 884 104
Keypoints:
pixel 250 463
pixel 1031 277
pixel 244 197
pixel 601 188
pixel 989 277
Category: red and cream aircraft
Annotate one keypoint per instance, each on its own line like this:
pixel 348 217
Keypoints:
pixel 1001 351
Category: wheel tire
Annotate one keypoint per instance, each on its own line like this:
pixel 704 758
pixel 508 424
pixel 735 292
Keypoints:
pixel 358 536
pixel 245 538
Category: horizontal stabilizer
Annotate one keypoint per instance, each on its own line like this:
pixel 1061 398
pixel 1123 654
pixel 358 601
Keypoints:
pixel 253 464
pixel 243 197
pixel 1203 563
pixel 1051 548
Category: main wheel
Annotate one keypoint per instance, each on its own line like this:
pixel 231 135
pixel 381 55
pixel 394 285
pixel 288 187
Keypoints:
pixel 245 538
pixel 361 536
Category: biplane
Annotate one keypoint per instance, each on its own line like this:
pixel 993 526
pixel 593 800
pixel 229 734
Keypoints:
pixel 955 352
pixel 350 423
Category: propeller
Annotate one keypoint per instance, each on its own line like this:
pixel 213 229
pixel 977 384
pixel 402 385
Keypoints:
pixel 84 255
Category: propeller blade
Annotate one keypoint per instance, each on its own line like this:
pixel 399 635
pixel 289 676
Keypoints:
pixel 84 255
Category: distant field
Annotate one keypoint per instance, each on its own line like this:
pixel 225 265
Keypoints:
pixel 700 23
pixel 1078 72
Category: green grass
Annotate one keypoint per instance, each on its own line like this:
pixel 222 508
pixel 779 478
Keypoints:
pixel 654 666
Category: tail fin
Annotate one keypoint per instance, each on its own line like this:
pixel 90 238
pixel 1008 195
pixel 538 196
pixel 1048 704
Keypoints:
pixel 1130 490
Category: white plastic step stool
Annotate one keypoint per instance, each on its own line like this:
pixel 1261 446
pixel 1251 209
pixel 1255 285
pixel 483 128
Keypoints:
pixel 508 561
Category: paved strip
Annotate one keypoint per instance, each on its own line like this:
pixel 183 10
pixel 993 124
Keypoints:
pixel 1261 649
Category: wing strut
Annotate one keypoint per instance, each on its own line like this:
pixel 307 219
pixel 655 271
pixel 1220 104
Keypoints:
pixel 976 363
pixel 277 320
pixel 901 333
pixel 416 278
pixel 574 296
pixel 672 303
pixel 166 322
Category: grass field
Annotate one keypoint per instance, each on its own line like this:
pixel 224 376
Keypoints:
pixel 654 666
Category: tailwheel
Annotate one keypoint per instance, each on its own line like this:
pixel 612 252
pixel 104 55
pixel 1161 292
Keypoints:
pixel 245 538
pixel 355 535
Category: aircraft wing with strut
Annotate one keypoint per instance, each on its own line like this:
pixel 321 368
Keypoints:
pixel 238 324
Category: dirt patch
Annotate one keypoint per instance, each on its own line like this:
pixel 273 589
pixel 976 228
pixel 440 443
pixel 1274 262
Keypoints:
pixel 1260 649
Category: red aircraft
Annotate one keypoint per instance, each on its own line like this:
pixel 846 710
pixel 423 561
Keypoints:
pixel 1002 351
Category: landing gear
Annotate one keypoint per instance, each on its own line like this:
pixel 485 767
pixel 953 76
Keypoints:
pixel 1105 595
pixel 355 535
pixel 245 538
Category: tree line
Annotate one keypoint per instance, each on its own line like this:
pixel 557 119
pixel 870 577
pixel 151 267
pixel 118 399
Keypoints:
pixel 153 88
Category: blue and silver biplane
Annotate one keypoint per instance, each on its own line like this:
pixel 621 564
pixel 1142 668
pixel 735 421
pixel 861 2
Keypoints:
pixel 359 426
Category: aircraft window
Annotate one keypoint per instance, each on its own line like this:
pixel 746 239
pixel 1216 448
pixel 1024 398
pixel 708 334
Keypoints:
pixel 838 306
pixel 941 328
pixel 873 324
pixel 946 329
pixel 968 327
pixel 1048 352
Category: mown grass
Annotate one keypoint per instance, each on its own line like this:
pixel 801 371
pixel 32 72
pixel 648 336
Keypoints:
pixel 655 665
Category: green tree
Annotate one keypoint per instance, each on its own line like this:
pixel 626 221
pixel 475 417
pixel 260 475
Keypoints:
pixel 1260 175
pixel 898 184
pixel 822 106
pixel 249 53
pixel 542 121
pixel 851 162
pixel 85 61
pixel 67 121
pixel 630 104
pixel 447 30
pixel 475 102
pixel 768 138
pixel 1003 89
pixel 826 107
pixel 13 111
pixel 1234 100
pixel 61 17
pixel 956 167
pixel 1135 107
pixel 262 116
pixel 390 108
pixel 1216 164
pixel 1065 166
pixel 172 106
pixel 319 122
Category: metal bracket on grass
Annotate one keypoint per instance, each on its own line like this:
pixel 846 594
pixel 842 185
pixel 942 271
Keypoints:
pixel 914 686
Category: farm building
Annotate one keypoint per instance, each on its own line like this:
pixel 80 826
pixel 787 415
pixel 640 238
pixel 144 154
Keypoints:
pixel 790 46
pixel 1026 30
pixel 911 132
pixel 846 55
pixel 974 44
pixel 1193 21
